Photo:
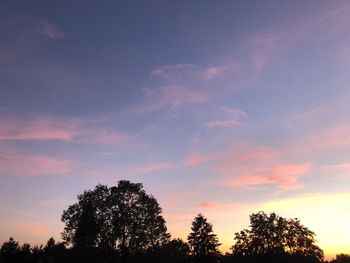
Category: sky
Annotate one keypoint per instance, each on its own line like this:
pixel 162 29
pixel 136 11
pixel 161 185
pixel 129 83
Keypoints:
pixel 224 108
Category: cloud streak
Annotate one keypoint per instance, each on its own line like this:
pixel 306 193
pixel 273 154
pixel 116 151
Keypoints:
pixel 246 166
pixel 173 97
pixel 223 123
pixel 51 128
pixel 283 176
pixel 22 165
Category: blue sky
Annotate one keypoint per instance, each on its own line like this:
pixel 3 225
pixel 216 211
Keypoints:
pixel 224 108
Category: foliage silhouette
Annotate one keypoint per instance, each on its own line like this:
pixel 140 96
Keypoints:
pixel 86 234
pixel 274 237
pixel 122 217
pixel 10 251
pixel 341 258
pixel 102 213
pixel 124 224
pixel 203 242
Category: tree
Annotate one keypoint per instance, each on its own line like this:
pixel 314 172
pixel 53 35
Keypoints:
pixel 126 218
pixel 203 242
pixel 10 251
pixel 98 198
pixel 25 253
pixel 341 258
pixel 137 221
pixel 274 236
pixel 86 234
pixel 177 250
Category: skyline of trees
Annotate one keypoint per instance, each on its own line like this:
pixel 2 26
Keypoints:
pixel 125 224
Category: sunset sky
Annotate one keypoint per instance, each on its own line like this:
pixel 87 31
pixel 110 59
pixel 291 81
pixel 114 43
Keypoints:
pixel 220 107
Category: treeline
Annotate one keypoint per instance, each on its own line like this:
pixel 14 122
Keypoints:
pixel 125 224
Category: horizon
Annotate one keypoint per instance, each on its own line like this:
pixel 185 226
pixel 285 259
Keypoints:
pixel 224 109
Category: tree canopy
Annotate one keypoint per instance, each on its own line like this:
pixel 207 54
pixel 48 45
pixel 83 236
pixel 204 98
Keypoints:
pixel 203 242
pixel 122 217
pixel 272 235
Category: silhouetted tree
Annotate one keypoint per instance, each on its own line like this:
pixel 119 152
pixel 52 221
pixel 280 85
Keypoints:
pixel 126 218
pixel 50 245
pixel 10 251
pixel 175 251
pixel 178 250
pixel 341 258
pixel 86 234
pixel 274 237
pixel 25 253
pixel 203 242
pixel 102 213
pixel 137 221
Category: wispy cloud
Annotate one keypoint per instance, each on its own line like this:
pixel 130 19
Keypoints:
pixel 29 26
pixel 173 97
pixel 234 112
pixel 214 72
pixel 48 29
pixel 283 176
pixel 244 165
pixel 130 170
pixel 195 159
pixel 152 167
pixel 61 129
pixel 171 71
pixel 209 205
pixel 222 123
pixel 231 117
pixel 191 71
pixel 23 165
pixel 41 128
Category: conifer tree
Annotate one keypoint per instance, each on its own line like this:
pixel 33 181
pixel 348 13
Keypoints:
pixel 203 242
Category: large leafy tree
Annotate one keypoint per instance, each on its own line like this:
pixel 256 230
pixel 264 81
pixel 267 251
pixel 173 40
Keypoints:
pixel 203 242
pixel 72 217
pixel 137 221
pixel 122 217
pixel 86 234
pixel 275 236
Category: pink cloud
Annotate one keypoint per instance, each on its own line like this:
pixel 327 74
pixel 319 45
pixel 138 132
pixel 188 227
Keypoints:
pixel 222 123
pixel 21 165
pixel 177 198
pixel 33 228
pixel 284 176
pixel 236 113
pixel 191 71
pixel 338 166
pixel 139 169
pixel 267 45
pixel 333 136
pixel 171 71
pixel 209 205
pixel 256 155
pixel 264 46
pixel 156 167
pixel 27 27
pixel 239 152
pixel 51 128
pixel 42 128
pixel 195 159
pixel 320 140
pixel 246 165
pixel 214 72
pixel 172 96
pixel 48 29
pixel 106 136
pixel 338 171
